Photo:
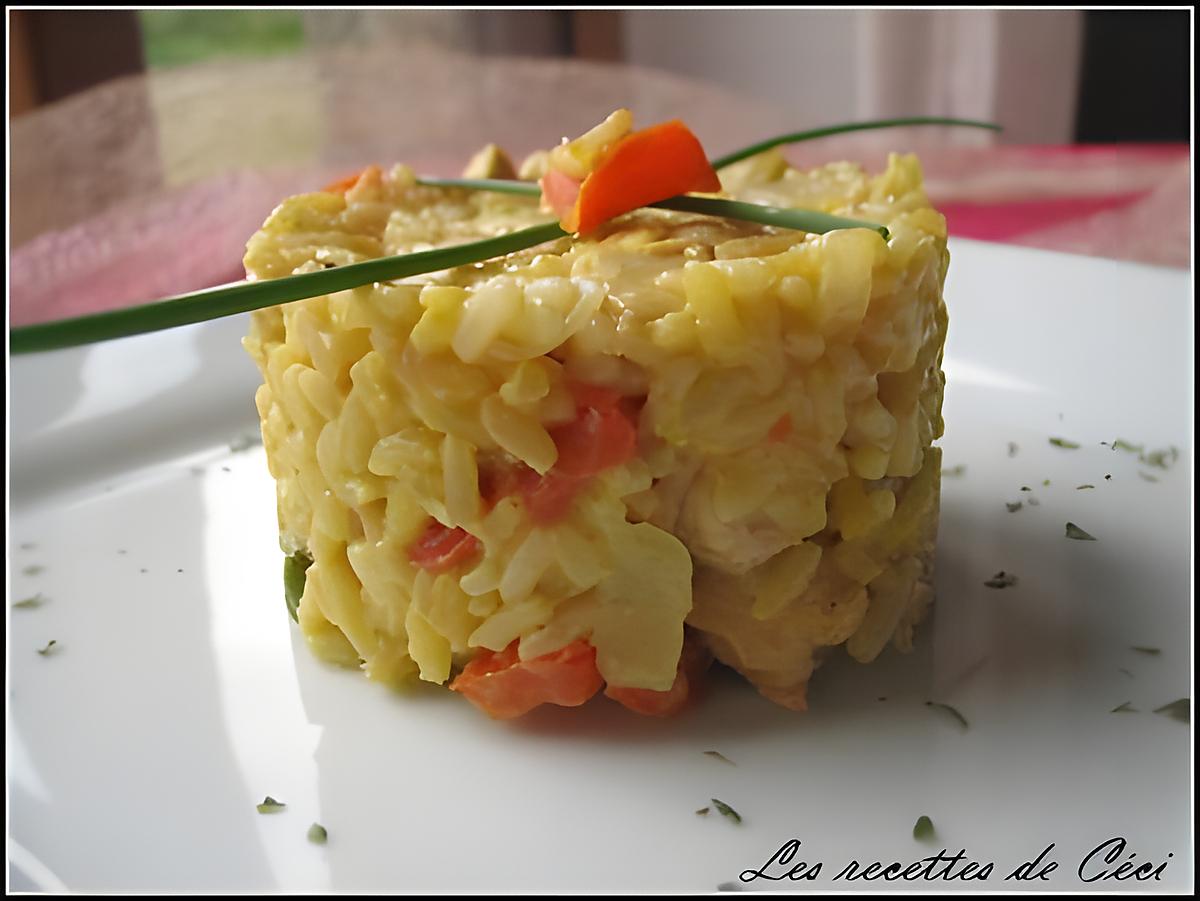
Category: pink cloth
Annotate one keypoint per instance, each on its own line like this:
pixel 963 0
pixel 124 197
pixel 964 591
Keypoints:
pixel 1122 202
pixel 1127 202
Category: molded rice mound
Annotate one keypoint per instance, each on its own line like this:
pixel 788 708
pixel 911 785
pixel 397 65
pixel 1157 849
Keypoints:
pixel 785 389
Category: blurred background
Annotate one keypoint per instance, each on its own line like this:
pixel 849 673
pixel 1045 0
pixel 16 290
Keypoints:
pixel 1051 76
pixel 166 136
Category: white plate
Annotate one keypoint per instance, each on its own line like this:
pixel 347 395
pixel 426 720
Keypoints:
pixel 179 693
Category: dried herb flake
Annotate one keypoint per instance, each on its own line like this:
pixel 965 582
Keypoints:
pixel 1147 477
pixel 719 756
pixel 1124 708
pixel 1145 650
pixel 1163 459
pixel 1073 531
pixel 49 647
pixel 1014 506
pixel 1001 580
pixel 30 603
pixel 1177 710
pixel 245 442
pixel 702 812
pixel 1082 487
pixel 726 811
pixel 951 711
pixel 923 829
pixel 1064 443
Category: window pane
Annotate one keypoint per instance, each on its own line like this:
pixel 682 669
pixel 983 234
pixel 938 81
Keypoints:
pixel 176 37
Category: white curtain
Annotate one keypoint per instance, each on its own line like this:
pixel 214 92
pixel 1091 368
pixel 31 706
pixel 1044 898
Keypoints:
pixel 1019 67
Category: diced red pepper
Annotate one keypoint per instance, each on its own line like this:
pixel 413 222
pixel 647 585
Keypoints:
pixel 693 661
pixel 602 435
pixel 560 192
pixel 781 429
pixel 548 498
pixel 641 168
pixel 440 548
pixel 503 686
pixel 597 440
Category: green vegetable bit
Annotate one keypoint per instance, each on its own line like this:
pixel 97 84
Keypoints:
pixel 317 834
pixel 951 711
pixel 812 221
pixel 726 811
pixel 795 137
pixel 923 830
pixel 1064 443
pixel 1073 531
pixel 1123 445
pixel 295 569
pixel 270 805
pixel 214 303
pixel 29 603
pixel 1177 710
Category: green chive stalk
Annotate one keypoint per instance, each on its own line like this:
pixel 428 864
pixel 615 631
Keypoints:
pixel 214 303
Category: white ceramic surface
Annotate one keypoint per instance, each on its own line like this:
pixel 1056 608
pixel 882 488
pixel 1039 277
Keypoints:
pixel 179 693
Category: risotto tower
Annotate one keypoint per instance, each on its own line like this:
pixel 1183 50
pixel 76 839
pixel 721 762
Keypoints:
pixel 601 460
